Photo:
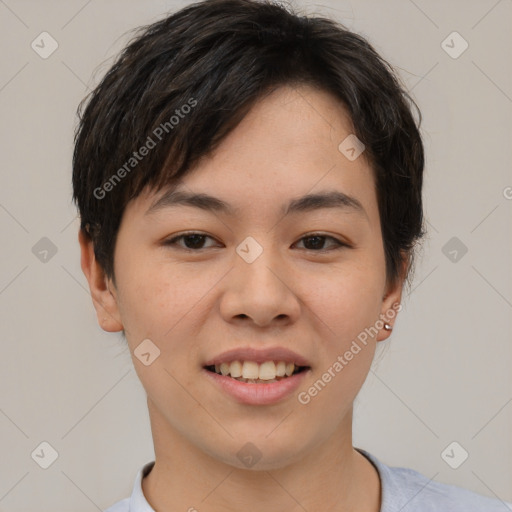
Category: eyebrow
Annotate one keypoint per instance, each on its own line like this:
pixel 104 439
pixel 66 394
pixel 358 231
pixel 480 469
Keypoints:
pixel 307 203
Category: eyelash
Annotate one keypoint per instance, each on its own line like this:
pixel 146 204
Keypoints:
pixel 340 244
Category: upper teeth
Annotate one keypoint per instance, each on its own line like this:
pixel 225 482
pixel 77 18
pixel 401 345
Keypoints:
pixel 252 370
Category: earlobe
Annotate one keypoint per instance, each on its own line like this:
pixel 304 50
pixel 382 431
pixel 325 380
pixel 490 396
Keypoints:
pixel 104 301
pixel 391 303
pixel 390 308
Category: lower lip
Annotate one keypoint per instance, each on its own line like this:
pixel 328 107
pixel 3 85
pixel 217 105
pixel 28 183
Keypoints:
pixel 258 394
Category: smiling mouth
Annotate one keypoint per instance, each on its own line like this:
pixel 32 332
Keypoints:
pixel 278 372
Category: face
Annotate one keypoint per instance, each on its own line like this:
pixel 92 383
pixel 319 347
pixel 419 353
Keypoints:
pixel 310 280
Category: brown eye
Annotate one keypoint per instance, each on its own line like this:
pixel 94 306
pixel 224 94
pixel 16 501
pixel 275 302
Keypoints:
pixel 315 242
pixel 195 241
pixel 191 241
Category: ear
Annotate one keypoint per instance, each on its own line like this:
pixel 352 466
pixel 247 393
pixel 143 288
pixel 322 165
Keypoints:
pixel 104 300
pixel 391 302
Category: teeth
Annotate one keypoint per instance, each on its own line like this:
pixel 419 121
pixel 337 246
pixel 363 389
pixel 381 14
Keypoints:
pixel 235 369
pixel 256 381
pixel 224 368
pixel 267 371
pixel 250 370
pixel 280 369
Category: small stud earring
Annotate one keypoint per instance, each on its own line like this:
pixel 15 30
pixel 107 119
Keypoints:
pixel 388 327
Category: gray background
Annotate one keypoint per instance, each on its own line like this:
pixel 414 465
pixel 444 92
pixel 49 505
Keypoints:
pixel 443 376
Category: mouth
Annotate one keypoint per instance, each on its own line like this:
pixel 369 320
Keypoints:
pixel 243 382
pixel 252 372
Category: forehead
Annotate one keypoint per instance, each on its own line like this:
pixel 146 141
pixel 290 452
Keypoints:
pixel 285 147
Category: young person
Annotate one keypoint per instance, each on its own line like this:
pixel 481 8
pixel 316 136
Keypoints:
pixel 249 185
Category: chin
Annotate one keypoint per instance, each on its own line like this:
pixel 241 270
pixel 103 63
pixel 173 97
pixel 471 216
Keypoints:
pixel 260 453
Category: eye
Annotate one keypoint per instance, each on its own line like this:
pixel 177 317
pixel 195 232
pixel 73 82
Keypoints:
pixel 193 241
pixel 317 240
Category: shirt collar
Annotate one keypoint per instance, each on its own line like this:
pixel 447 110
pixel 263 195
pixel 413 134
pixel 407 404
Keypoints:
pixel 138 502
pixel 391 492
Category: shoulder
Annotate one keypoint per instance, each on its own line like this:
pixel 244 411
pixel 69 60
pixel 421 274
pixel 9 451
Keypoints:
pixel 408 490
pixel 425 495
pixel 120 506
pixel 136 502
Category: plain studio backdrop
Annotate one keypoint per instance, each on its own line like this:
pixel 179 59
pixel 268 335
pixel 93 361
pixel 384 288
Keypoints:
pixel 69 390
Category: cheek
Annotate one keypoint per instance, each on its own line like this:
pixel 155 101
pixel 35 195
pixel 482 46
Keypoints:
pixel 163 303
pixel 347 309
pixel 347 299
pixel 161 307
pixel 149 293
pixel 349 303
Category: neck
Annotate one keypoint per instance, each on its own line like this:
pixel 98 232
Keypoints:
pixel 331 476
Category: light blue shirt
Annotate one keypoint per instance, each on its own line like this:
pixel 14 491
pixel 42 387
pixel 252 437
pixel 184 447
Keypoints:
pixel 403 490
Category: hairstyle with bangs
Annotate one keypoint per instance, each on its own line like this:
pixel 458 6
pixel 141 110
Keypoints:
pixel 185 82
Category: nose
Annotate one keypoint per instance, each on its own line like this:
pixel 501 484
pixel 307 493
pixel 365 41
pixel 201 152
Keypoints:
pixel 261 292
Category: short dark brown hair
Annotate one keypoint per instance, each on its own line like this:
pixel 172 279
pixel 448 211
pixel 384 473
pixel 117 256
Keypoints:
pixel 185 82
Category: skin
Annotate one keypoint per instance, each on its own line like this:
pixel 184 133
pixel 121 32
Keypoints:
pixel 194 306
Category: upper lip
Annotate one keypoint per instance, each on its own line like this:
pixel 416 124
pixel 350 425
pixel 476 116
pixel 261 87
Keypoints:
pixel 259 356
